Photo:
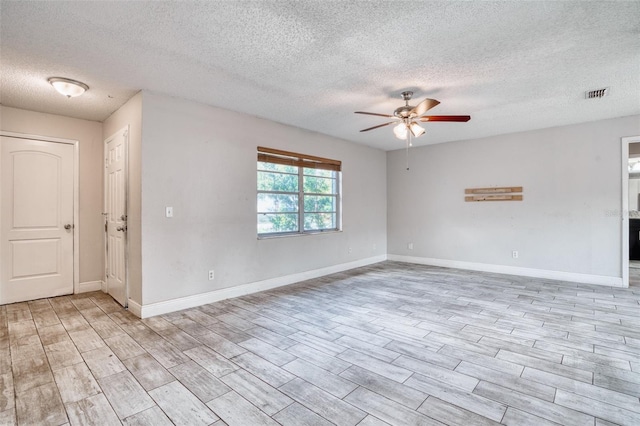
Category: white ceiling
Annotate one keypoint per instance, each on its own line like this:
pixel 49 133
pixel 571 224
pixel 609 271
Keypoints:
pixel 512 66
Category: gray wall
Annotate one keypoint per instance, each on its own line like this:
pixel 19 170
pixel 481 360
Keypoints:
pixel 202 161
pixel 572 183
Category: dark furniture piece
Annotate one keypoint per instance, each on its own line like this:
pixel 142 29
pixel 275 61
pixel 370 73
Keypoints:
pixel 634 239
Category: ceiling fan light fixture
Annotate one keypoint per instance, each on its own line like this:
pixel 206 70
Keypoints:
pixel 401 131
pixel 67 87
pixel 416 129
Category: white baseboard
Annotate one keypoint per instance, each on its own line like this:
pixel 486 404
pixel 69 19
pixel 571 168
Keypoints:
pixel 134 308
pixel 88 286
pixel 512 270
pixel 159 308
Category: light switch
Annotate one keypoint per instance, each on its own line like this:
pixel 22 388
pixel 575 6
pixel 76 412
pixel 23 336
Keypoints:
pixel 169 211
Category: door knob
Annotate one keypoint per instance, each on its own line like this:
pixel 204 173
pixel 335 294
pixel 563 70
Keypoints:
pixel 68 226
pixel 122 228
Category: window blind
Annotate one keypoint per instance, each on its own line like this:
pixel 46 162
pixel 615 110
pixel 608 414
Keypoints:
pixel 277 156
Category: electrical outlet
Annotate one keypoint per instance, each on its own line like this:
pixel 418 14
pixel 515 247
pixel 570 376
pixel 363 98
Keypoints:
pixel 211 275
pixel 410 246
pixel 350 250
pixel 514 254
pixel 168 211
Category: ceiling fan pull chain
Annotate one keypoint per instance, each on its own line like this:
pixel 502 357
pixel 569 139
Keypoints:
pixel 408 143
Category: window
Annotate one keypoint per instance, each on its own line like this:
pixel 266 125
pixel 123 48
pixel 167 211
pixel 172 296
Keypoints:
pixel 297 193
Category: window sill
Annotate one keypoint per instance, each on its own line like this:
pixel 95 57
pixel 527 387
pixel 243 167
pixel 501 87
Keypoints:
pixel 298 234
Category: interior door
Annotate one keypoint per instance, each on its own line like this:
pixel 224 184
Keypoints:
pixel 116 215
pixel 36 219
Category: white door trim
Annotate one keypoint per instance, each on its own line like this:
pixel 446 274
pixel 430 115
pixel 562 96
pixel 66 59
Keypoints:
pixel 76 197
pixel 624 214
pixel 105 289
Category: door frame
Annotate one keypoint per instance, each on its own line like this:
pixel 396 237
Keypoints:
pixel 105 289
pixel 76 195
pixel 624 214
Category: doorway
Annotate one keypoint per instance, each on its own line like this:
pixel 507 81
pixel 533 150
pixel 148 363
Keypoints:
pixel 38 217
pixel 630 213
pixel 115 213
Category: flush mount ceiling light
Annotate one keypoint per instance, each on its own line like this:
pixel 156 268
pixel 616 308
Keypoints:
pixel 67 87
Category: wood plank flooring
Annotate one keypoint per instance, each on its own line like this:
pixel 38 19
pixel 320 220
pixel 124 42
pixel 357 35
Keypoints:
pixel 388 344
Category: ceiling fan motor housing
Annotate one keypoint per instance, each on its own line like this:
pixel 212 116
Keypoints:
pixel 405 111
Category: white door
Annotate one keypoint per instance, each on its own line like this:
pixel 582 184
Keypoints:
pixel 36 219
pixel 116 215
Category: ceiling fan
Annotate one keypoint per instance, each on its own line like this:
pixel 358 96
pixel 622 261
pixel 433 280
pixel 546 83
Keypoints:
pixel 408 116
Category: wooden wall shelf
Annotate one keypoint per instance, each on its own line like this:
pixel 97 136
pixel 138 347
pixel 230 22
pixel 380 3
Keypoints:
pixel 505 193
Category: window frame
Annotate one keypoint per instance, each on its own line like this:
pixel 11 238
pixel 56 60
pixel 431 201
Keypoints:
pixel 302 162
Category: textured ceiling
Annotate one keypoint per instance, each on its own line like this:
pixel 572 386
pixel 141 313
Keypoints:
pixel 512 66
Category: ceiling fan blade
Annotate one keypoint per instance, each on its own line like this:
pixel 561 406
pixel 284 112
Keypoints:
pixel 373 113
pixel 424 106
pixel 457 118
pixel 379 125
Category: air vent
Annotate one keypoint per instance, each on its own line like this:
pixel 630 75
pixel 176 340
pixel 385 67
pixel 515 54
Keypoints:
pixel 598 93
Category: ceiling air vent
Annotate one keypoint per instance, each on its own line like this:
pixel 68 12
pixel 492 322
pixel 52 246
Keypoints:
pixel 598 93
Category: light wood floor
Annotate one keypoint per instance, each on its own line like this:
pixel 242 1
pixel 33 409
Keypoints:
pixel 391 344
pixel 634 274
